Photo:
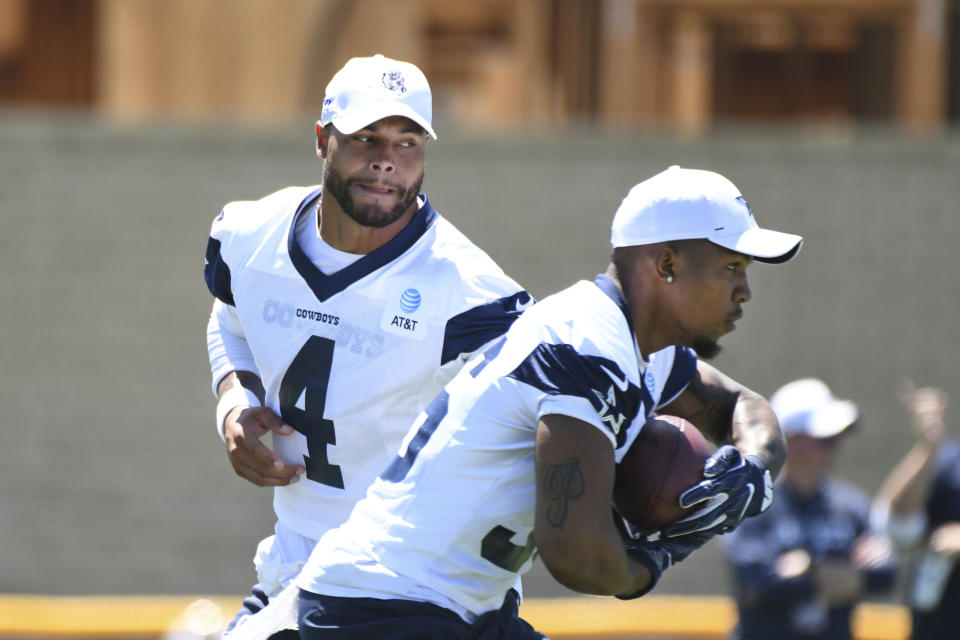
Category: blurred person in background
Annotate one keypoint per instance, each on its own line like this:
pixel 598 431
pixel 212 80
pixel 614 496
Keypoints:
pixel 799 569
pixel 341 310
pixel 919 506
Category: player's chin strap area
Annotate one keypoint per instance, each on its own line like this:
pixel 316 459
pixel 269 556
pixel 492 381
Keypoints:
pixel 734 487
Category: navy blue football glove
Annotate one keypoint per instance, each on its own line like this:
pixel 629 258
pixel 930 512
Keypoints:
pixel 656 553
pixel 734 487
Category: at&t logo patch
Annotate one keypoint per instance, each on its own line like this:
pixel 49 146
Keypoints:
pixel 410 300
pixel 407 312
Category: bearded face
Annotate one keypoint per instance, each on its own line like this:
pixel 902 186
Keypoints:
pixel 371 213
pixel 375 173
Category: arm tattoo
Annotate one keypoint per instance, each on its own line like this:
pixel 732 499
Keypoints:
pixel 729 413
pixel 565 483
pixel 715 411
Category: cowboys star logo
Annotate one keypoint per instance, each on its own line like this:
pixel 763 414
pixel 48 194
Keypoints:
pixel 608 404
pixel 393 81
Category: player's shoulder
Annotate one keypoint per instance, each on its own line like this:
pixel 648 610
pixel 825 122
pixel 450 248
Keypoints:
pixel 584 318
pixel 584 310
pixel 246 217
pixel 452 247
pixel 461 265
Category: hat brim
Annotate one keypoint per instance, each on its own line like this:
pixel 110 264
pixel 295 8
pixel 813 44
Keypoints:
pixel 826 421
pixel 764 245
pixel 357 119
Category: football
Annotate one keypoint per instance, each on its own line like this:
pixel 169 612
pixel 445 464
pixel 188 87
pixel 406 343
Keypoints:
pixel 665 459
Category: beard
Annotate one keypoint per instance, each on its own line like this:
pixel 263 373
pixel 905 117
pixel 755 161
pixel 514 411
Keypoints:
pixel 369 216
pixel 706 348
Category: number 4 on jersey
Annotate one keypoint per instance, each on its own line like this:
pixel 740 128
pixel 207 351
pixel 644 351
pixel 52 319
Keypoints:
pixel 309 375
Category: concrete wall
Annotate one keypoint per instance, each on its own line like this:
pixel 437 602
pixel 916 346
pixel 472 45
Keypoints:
pixel 114 478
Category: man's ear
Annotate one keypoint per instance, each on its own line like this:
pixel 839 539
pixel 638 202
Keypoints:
pixel 666 262
pixel 322 138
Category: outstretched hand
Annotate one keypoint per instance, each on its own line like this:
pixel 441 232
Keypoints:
pixel 251 459
pixel 945 540
pixel 927 407
pixel 734 487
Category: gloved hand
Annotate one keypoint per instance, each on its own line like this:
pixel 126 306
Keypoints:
pixel 734 487
pixel 657 553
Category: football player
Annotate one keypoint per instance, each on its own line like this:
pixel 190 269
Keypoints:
pixel 341 310
pixel 516 456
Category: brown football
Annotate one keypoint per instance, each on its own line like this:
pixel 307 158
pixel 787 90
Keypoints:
pixel 665 459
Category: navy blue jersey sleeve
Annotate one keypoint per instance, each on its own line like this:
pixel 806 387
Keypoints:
pixel 558 369
pixel 217 273
pixel 475 327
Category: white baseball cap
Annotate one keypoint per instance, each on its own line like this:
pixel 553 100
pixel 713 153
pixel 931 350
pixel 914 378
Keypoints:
pixel 684 204
pixel 807 407
pixel 368 89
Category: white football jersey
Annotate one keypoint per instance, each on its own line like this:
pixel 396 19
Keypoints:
pixel 348 359
pixel 451 520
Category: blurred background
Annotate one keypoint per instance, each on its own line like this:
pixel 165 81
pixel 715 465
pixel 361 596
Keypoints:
pixel 686 65
pixel 126 125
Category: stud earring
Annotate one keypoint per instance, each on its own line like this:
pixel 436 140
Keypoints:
pixel 669 279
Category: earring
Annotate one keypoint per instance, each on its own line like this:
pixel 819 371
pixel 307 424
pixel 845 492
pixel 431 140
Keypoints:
pixel 669 279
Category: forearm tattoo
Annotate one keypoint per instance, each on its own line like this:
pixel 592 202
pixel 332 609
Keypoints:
pixel 731 414
pixel 715 411
pixel 564 483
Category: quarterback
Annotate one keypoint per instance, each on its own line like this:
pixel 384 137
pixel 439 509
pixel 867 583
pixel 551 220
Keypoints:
pixel 516 456
pixel 341 310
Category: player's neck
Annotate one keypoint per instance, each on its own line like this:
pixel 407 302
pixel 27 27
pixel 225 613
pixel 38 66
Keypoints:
pixel 643 317
pixel 649 339
pixel 343 233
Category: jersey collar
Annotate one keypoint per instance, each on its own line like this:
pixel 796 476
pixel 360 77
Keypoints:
pixel 326 286
pixel 605 284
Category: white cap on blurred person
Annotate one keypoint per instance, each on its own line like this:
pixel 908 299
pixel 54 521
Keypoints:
pixel 368 89
pixel 807 407
pixel 685 204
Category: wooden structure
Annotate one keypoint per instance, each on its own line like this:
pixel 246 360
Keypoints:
pixel 787 59
pixel 679 64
